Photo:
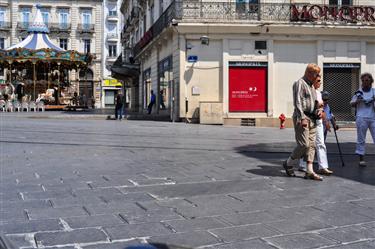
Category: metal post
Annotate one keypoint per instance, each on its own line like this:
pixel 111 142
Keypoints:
pixel 34 79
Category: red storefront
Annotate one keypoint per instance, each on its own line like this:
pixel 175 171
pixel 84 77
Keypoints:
pixel 247 86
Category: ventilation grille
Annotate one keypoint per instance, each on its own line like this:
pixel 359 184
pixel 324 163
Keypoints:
pixel 247 121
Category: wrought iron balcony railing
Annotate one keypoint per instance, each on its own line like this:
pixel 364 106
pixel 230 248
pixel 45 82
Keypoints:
pixel 60 27
pixel 86 28
pixel 263 13
pixel 5 25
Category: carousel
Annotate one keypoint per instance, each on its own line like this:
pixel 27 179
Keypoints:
pixel 38 71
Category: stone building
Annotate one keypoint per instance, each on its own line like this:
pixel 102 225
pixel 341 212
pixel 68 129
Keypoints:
pixel 73 25
pixel 233 62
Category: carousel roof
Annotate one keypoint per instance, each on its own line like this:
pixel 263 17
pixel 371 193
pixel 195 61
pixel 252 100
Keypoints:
pixel 38 47
pixel 37 37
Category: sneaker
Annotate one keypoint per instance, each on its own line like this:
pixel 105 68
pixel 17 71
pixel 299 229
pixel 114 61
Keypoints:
pixel 362 164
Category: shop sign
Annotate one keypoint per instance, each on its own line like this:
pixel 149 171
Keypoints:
pixel 112 82
pixel 346 14
pixel 341 65
pixel 247 64
pixel 247 89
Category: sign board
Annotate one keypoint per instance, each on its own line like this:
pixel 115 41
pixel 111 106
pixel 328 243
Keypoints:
pixel 341 65
pixel 192 58
pixel 247 88
pixel 112 82
pixel 247 64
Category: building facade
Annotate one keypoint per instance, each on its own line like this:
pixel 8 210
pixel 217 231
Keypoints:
pixel 73 25
pixel 111 50
pixel 235 61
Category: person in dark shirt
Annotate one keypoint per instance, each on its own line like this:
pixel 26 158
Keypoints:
pixel 118 107
pixel 152 102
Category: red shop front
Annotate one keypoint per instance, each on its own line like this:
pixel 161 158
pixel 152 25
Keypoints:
pixel 247 86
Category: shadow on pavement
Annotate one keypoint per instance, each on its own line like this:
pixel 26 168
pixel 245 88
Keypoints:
pixel 273 154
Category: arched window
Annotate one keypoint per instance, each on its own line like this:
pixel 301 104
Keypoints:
pixel 86 74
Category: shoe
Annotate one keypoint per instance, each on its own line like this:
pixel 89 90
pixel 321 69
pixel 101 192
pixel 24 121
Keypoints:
pixel 362 164
pixel 325 171
pixel 288 169
pixel 313 176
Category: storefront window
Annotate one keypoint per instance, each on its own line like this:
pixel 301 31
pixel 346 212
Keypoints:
pixel 165 82
pixel 109 98
pixel 146 86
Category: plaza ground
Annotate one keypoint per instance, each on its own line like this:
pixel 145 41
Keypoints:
pixel 84 182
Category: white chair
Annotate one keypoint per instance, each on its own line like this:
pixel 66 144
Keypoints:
pixel 32 106
pixel 17 106
pixel 25 105
pixel 40 106
pixel 9 106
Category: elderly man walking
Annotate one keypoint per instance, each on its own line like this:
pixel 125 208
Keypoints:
pixel 305 115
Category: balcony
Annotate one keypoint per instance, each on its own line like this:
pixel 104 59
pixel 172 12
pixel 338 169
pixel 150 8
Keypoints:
pixel 191 11
pixel 112 16
pixel 112 37
pixel 60 27
pixel 86 28
pixel 23 26
pixel 111 59
pixel 5 25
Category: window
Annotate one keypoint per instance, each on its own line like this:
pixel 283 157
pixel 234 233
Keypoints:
pixel 144 24
pixel 112 50
pixel 86 19
pixel 109 98
pixel 112 10
pixel 86 45
pixel 25 17
pixel 161 7
pixel 152 15
pixel 2 43
pixel 63 18
pixel 2 16
pixel 45 15
pixel 64 43
pixel 340 2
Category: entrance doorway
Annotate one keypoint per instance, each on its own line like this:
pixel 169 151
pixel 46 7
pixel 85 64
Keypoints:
pixel 341 81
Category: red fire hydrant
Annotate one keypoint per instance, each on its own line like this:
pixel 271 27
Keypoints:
pixel 282 120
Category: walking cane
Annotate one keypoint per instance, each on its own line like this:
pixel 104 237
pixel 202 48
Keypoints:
pixel 337 140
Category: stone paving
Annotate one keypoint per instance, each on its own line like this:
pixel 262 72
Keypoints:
pixel 90 183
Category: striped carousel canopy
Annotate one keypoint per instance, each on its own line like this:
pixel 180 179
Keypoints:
pixel 38 35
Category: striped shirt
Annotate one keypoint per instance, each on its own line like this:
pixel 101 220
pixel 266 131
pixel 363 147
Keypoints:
pixel 304 97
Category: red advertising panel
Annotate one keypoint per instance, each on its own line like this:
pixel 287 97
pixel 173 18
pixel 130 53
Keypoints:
pixel 247 87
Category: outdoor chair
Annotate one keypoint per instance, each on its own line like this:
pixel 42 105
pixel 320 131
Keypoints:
pixel 25 105
pixel 40 106
pixel 9 106
pixel 2 105
pixel 32 106
pixel 17 106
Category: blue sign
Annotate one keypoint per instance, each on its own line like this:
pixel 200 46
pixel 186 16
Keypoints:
pixel 192 58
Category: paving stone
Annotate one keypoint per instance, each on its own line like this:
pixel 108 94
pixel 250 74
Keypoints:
pixel 137 230
pixel 128 197
pixel 190 239
pixel 253 244
pixel 94 221
pixel 349 234
pixel 114 208
pixel 45 213
pixel 20 204
pixel 359 245
pixel 298 223
pixel 183 225
pixel 232 234
pixel 31 226
pixel 151 216
pixel 114 245
pixel 21 241
pixel 43 195
pixel 70 237
pixel 302 241
pixel 250 218
pixel 16 215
